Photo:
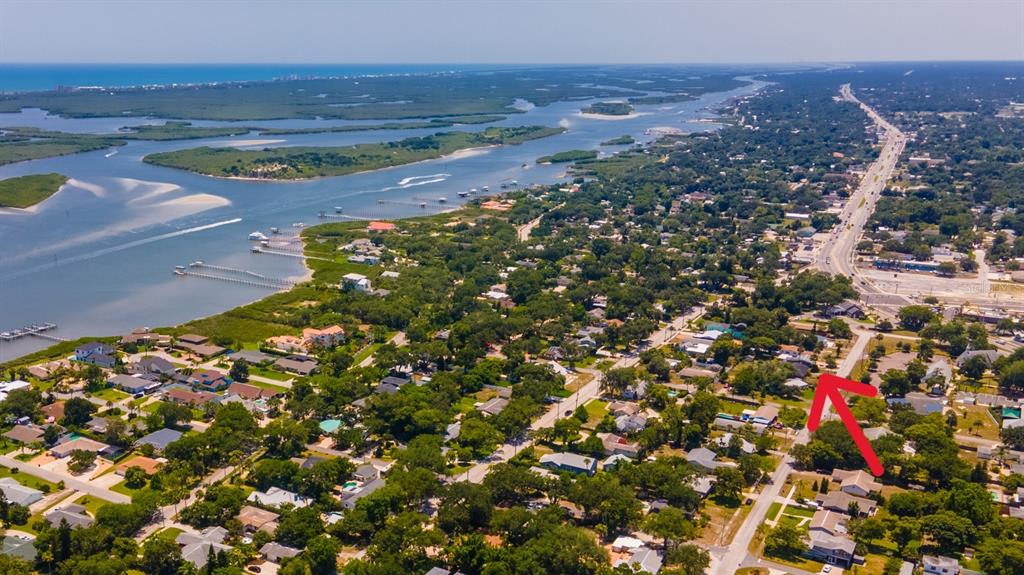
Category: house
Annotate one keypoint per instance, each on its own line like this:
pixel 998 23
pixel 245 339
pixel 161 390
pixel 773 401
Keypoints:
pixel 275 552
pixel 25 434
pixel 198 345
pixel 75 516
pixel 188 397
pixel 571 462
pixel 20 547
pixel 841 502
pixel 131 384
pixel 147 464
pixel 380 226
pixel 196 548
pixel 144 336
pixel 617 445
pixel 63 450
pixel 160 439
pixel 832 549
pixel 365 473
pixel 276 497
pixel 251 357
pixel 704 458
pixel 53 412
pixel 630 423
pixel 857 483
pixel 643 559
pixel 703 484
pixel 725 440
pixel 828 522
pixel 17 493
pixel 326 337
pixel 493 406
pixel 7 387
pixel 96 353
pixel 636 391
pixel 730 423
pixel 208 380
pixel 441 571
pixel 254 519
pixel 921 403
pixel 350 497
pixel 287 344
pixel 386 388
pixel 357 282
pixel 765 415
pixel 846 309
pixel 297 364
pixel 250 392
pixel 940 565
pixel 97 424
pixel 988 355
pixel 153 364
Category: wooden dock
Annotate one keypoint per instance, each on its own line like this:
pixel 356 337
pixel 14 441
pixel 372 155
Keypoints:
pixel 199 269
pixel 33 330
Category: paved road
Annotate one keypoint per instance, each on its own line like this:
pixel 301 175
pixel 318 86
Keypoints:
pixel 584 394
pixel 69 481
pixel 737 555
pixel 836 256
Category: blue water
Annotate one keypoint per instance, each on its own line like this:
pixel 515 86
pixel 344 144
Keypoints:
pixel 35 77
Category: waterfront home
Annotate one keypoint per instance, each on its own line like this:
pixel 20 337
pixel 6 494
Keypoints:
pixel 160 439
pixel 571 462
pixel 298 364
pixel 208 380
pixel 380 226
pixel 154 364
pixel 326 337
pixel 199 345
pixel 144 336
pixel 131 384
pixel 97 353
pixel 17 493
pixel 357 282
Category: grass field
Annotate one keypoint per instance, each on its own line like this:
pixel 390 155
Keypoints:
pixel 29 480
pixel 110 394
pixel 27 191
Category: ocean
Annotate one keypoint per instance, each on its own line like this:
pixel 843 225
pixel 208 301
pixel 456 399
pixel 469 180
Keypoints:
pixel 38 77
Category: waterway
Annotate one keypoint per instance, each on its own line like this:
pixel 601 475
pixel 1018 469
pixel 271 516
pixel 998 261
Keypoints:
pixel 97 258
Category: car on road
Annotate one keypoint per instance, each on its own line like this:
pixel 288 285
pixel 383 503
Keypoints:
pixel 826 569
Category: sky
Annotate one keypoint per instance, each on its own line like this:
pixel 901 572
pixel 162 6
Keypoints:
pixel 506 31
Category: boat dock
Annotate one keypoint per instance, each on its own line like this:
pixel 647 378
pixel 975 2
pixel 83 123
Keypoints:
pixel 234 275
pixel 33 330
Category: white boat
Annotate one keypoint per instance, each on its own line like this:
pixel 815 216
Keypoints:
pixel 257 237
pixel 275 230
pixel 298 225
pixel 487 188
pixel 442 199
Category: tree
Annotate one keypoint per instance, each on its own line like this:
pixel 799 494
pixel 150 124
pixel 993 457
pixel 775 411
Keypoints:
pixel 606 502
pixel 915 317
pixel 239 370
pixel 784 541
pixel 135 477
pixel 729 484
pixel 78 411
pixel 1001 557
pixel 671 524
pixel 690 559
pixel 298 526
pixel 1012 377
pixel 479 436
pixel 171 414
pixel 974 367
pixel 464 507
pixel 839 329
pixel 949 531
pixel 322 555
pixel 81 460
pixel 160 556
pixel 895 382
pixel 285 437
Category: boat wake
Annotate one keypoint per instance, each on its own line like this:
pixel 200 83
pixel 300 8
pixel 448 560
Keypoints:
pixel 420 180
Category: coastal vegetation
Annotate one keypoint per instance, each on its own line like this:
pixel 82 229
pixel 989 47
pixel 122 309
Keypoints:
pixel 620 141
pixel 179 131
pixel 608 109
pixel 664 99
pixel 27 191
pixel 294 163
pixel 369 98
pixel 19 148
pixel 568 156
pixel 435 123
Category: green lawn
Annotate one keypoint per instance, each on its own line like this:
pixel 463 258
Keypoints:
pixel 110 394
pixel 28 480
pixel 268 373
pixel 596 410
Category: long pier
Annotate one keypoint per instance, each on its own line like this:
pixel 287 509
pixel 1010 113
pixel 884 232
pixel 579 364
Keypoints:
pixel 235 275
pixel 33 330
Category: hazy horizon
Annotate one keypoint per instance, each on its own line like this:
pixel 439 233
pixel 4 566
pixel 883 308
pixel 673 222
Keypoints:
pixel 508 33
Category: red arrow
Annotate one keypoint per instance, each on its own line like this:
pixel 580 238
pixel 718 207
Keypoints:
pixel 829 386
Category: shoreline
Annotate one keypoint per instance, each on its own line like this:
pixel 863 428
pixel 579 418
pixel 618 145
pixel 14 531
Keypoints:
pixel 34 208
pixel 612 117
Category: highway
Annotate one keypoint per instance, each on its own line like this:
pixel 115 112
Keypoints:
pixel 836 256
